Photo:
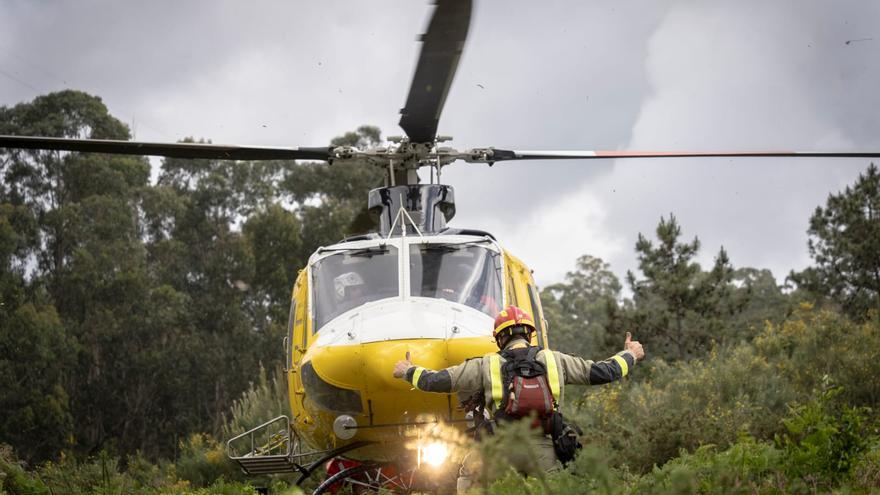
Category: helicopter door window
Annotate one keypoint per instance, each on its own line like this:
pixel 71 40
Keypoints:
pixel 464 274
pixel 349 279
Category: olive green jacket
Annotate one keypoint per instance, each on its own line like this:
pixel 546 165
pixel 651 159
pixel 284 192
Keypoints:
pixel 475 374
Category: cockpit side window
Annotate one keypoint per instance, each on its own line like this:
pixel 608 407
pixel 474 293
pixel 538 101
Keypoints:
pixel 466 274
pixel 346 280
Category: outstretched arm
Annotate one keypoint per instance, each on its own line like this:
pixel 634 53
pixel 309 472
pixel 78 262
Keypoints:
pixel 585 372
pixel 465 376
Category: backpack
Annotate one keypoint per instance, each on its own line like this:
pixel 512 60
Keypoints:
pixel 526 388
pixel 526 391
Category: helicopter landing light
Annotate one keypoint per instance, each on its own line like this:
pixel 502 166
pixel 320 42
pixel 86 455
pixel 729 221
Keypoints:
pixel 434 453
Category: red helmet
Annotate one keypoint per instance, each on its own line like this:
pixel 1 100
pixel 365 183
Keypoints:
pixel 510 316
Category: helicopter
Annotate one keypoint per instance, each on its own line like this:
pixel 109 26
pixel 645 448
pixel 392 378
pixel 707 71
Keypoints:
pixel 415 286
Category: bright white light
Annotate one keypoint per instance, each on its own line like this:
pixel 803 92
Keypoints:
pixel 435 453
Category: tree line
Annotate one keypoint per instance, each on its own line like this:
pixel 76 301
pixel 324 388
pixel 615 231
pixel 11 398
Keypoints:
pixel 134 311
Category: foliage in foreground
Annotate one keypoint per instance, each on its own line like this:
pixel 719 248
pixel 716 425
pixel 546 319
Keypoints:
pixel 745 389
pixel 795 463
pixel 792 412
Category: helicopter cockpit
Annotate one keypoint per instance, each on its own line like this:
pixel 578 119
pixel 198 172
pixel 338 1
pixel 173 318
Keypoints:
pixel 352 277
pixel 465 273
pixel 459 269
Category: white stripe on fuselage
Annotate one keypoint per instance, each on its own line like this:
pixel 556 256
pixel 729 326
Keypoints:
pixel 395 319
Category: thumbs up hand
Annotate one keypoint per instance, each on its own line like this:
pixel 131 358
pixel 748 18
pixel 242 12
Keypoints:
pixel 402 367
pixel 634 346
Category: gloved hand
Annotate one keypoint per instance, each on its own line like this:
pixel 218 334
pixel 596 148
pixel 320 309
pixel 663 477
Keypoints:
pixel 402 367
pixel 634 346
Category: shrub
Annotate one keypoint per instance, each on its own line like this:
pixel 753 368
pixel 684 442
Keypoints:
pixel 824 439
pixel 202 458
pixel 746 467
pixel 13 477
pixel 744 389
pixel 203 461
pixel 265 400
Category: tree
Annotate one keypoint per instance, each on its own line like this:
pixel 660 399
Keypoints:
pixel 34 351
pixel 577 308
pixel 84 276
pixel 679 307
pixel 761 300
pixel 844 242
pixel 332 198
pixel 134 313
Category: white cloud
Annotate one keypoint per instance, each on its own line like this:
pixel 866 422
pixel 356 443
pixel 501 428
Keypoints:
pixel 728 76
pixel 552 237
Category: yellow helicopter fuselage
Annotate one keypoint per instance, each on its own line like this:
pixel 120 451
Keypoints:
pixel 361 306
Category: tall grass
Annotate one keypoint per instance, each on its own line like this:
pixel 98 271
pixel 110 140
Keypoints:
pixel 264 400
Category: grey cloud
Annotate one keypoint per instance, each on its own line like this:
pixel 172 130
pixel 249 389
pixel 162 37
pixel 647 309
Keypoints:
pixel 554 75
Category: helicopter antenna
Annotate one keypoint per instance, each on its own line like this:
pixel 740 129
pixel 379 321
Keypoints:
pixel 402 216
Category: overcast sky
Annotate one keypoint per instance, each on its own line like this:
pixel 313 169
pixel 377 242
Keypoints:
pixel 695 74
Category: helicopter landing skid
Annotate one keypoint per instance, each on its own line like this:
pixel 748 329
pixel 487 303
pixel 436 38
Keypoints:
pixel 273 448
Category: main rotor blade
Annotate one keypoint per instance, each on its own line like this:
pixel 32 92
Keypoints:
pixel 171 150
pixel 435 69
pixel 495 155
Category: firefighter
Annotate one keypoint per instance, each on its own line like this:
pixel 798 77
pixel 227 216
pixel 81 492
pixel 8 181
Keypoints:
pixel 543 372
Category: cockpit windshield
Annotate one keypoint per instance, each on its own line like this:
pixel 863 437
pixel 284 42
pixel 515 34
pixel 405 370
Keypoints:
pixel 351 278
pixel 462 273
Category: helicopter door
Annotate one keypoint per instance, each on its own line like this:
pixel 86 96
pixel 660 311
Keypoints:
pixel 296 343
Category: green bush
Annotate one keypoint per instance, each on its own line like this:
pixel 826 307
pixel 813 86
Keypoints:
pixel 203 461
pixel 13 477
pixel 824 439
pixel 866 473
pixel 745 389
pixel 746 467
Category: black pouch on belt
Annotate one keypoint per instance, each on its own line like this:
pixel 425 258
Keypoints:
pixel 565 438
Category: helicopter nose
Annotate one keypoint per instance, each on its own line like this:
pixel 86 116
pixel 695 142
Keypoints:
pixel 359 350
pixel 380 358
pixel 369 366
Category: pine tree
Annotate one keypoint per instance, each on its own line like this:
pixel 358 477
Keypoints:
pixel 677 308
pixel 844 242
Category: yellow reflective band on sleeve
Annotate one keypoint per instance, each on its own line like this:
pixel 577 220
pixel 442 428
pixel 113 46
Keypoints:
pixel 552 373
pixel 416 375
pixel 495 378
pixel 622 362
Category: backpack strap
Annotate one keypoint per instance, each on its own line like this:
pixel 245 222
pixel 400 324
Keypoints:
pixel 496 380
pixel 552 373
pixel 533 353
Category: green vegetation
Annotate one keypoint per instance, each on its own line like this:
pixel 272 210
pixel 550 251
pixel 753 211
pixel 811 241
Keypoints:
pixel 141 324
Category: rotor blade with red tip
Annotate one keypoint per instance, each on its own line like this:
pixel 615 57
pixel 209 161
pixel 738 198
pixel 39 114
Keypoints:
pixel 435 69
pixel 171 150
pixel 497 155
